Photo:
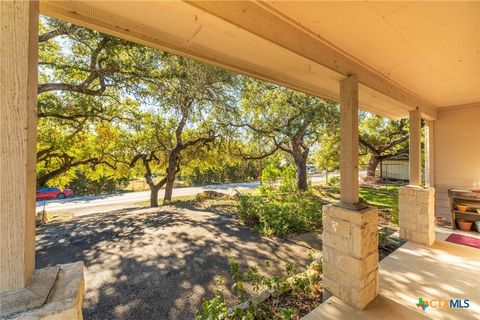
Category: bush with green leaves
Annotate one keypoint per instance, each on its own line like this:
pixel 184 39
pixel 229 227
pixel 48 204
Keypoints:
pixel 280 214
pixel 334 182
pixel 275 177
pixel 303 292
pixel 83 185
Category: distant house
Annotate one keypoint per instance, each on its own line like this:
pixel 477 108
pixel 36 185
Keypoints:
pixel 395 169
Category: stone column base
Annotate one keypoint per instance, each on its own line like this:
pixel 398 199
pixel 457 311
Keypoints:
pixel 417 214
pixel 350 254
pixel 53 293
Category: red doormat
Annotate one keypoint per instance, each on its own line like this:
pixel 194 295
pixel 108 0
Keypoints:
pixel 464 240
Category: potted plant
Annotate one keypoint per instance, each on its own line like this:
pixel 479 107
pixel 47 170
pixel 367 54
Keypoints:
pixel 464 225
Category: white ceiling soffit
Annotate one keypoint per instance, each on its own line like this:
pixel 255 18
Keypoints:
pixel 184 29
pixel 431 48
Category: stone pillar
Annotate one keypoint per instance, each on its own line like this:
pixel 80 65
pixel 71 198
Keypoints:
pixel 350 254
pixel 350 236
pixel 417 214
pixel 18 99
pixel 414 151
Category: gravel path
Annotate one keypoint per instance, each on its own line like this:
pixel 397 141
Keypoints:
pixel 156 263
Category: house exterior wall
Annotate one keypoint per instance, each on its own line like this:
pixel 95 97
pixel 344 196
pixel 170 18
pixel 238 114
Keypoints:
pixel 457 152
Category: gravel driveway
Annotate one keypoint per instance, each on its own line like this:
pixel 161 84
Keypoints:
pixel 156 263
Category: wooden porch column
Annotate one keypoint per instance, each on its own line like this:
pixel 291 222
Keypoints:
pixel 18 99
pixel 414 151
pixel 349 140
pixel 429 155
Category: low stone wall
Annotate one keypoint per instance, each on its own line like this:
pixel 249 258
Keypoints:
pixel 350 254
pixel 417 214
pixel 55 293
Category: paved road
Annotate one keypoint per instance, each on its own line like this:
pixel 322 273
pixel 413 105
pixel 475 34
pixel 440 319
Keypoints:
pixel 80 206
pixel 94 204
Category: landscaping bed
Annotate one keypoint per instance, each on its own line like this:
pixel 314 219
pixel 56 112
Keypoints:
pixel 292 304
pixel 281 214
pixel 277 297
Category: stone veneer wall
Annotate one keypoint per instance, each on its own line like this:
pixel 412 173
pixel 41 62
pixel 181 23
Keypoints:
pixel 350 254
pixel 55 293
pixel 417 214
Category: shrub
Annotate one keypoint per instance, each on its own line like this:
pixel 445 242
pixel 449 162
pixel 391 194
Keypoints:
pixel 275 177
pixel 280 214
pixel 291 295
pixel 288 183
pixel 334 182
pixel 84 185
pixel 270 175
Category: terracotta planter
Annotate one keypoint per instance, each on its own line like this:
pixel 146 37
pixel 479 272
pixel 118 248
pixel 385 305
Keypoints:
pixel 462 207
pixel 464 225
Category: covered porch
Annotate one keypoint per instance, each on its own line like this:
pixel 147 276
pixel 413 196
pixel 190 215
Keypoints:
pixel 392 59
pixel 442 271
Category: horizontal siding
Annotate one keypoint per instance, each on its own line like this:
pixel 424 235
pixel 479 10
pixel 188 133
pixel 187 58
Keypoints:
pixel 442 204
pixel 456 153
pixel 395 169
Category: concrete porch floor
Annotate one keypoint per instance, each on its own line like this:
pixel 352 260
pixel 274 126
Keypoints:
pixel 442 271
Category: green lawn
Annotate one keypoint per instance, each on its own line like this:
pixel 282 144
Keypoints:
pixel 385 197
pixel 175 200
pixel 59 216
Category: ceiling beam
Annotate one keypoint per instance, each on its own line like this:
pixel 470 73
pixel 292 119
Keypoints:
pixel 264 21
pixel 86 14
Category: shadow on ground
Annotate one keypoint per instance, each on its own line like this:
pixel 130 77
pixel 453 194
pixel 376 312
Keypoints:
pixel 156 263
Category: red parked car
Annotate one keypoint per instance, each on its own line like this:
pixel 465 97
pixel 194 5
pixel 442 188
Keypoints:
pixel 53 193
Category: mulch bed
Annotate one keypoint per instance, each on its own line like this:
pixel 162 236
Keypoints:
pixel 386 248
pixel 299 301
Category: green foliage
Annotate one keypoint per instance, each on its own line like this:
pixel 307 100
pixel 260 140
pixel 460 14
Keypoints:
pixel 383 198
pixel 83 185
pixel 218 164
pixel 277 177
pixel 270 175
pixel 213 309
pixel 299 287
pixel 327 155
pixel 280 214
pixel 380 132
pixel 381 139
pixel 288 179
pixel 274 118
pixel 334 182
pixel 85 78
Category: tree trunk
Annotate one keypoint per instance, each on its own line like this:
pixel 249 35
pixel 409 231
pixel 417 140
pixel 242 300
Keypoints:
pixel 154 196
pixel 372 166
pixel 169 189
pixel 300 157
pixel 302 183
pixel 171 174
